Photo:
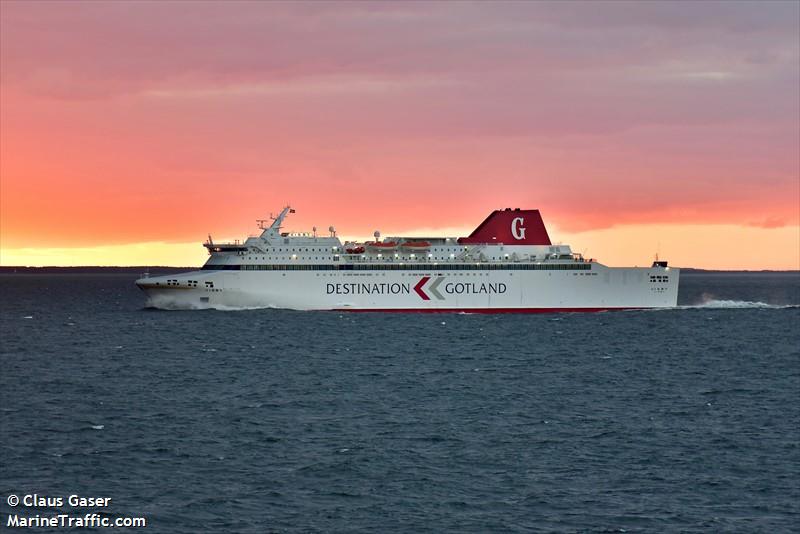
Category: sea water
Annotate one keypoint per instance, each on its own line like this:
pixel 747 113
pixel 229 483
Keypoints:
pixel 281 421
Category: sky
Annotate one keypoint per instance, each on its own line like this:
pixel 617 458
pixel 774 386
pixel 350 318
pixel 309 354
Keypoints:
pixel 129 131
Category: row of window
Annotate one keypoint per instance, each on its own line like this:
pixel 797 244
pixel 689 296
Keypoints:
pixel 332 249
pixel 409 257
pixel 190 283
pixel 407 267
pixel 307 249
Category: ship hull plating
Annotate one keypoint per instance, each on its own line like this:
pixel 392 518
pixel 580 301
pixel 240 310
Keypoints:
pixel 598 288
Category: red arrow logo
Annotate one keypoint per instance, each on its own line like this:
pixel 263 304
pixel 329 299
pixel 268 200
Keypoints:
pixel 418 288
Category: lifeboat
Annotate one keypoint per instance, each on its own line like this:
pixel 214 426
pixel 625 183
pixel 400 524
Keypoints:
pixel 416 245
pixel 355 250
pixel 381 246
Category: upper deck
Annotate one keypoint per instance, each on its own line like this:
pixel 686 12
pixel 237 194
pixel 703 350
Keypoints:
pixel 277 248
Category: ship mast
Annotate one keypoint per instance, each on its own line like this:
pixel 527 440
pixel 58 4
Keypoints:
pixel 274 228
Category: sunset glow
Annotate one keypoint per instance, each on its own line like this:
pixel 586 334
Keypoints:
pixel 131 130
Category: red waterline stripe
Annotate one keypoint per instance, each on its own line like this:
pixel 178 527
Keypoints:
pixel 485 310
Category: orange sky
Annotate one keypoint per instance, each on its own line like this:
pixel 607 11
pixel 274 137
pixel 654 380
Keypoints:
pixel 128 131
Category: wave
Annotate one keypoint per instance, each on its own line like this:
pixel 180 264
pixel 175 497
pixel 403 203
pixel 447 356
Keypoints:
pixel 222 307
pixel 706 303
pixel 215 307
pixel 160 302
pixel 738 304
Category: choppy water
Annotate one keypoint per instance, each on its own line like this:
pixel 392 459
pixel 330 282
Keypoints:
pixel 267 420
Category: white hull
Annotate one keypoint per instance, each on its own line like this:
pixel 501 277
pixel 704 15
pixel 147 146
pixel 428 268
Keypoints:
pixel 509 289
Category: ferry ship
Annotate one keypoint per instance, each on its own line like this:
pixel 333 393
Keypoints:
pixel 507 264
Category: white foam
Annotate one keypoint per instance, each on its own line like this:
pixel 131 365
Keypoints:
pixel 180 306
pixel 715 304
pixel 222 307
pixel 735 304
pixel 709 304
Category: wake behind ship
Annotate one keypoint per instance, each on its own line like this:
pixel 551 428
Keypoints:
pixel 507 264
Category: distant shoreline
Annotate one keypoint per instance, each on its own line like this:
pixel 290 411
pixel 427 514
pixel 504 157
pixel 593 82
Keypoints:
pixel 88 269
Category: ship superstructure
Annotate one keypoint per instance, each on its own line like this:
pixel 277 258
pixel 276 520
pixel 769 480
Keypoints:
pixel 507 264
